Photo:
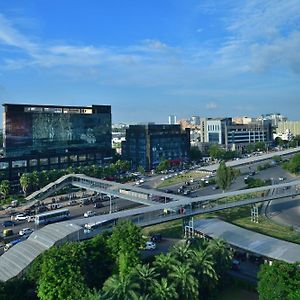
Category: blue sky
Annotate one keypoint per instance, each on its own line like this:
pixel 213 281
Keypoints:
pixel 152 58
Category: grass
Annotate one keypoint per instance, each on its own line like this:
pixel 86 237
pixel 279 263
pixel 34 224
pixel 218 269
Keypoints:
pixel 239 216
pixel 171 229
pixel 180 179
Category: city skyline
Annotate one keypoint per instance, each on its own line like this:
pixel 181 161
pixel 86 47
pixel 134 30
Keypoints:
pixel 154 59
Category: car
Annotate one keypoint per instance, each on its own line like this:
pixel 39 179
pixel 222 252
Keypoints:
pixel 98 205
pixel 150 245
pixel 8 232
pixel 30 219
pixel 281 178
pixel 89 213
pixel 72 202
pixel 8 223
pixel 21 217
pixel 25 231
pixel 216 187
pixel 235 265
pixel 156 238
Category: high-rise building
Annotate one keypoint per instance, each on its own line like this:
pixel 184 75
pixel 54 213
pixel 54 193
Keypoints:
pixel 172 119
pixel 292 126
pixel 147 145
pixel 37 137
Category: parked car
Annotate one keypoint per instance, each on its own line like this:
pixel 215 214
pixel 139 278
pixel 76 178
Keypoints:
pixel 30 219
pixel 150 245
pixel 25 231
pixel 281 178
pixel 98 205
pixel 72 202
pixel 89 213
pixel 21 217
pixel 235 265
pixel 8 223
pixel 7 232
pixel 156 238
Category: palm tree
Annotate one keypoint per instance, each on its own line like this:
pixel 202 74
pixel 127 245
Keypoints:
pixel 163 264
pixel 163 290
pixel 203 264
pixel 182 253
pixel 120 288
pixel 145 276
pixel 185 282
pixel 221 254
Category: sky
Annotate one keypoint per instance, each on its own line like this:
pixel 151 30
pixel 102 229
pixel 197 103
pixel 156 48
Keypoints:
pixel 149 59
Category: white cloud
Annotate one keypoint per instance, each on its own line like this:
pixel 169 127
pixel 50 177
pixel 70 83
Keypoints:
pixel 211 105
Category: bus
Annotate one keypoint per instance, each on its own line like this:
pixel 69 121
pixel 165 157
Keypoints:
pixel 101 225
pixel 52 216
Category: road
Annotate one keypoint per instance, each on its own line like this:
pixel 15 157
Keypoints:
pixel 75 212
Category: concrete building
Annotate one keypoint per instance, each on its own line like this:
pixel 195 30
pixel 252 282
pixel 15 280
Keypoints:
pixel 214 130
pixel 275 118
pixel 41 137
pixel 292 126
pixel 172 120
pixel 238 136
pixel 146 145
pixel 242 120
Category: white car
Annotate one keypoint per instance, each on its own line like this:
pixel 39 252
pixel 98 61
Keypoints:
pixel 25 231
pixel 30 219
pixel 89 213
pixel 150 245
pixel 281 178
pixel 20 217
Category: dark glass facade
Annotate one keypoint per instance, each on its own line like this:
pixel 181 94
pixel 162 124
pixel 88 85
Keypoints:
pixel 45 136
pixel 146 145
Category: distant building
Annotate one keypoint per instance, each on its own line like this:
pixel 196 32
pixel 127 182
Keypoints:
pixel 285 136
pixel 195 120
pixel 172 119
pixel 292 126
pixel 214 130
pixel 39 137
pixel 238 136
pixel 146 145
pixel 242 120
pixel 275 118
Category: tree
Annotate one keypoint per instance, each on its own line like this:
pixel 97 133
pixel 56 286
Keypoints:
pixel 163 264
pixel 203 264
pixel 120 288
pixel 184 280
pixel 125 241
pixel 163 165
pixel 145 276
pixel 163 290
pixel 195 154
pixel 141 170
pixel 215 152
pixel 25 182
pixel 224 176
pixel 61 276
pixel 221 254
pixel 279 281
pixel 182 253
pixel 4 188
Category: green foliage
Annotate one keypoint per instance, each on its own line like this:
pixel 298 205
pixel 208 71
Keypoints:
pixel 255 182
pixel 224 176
pixel 4 188
pixel 263 166
pixel 61 276
pixel 125 242
pixel 293 165
pixel 18 288
pixel 216 152
pixel 141 170
pixel 195 153
pixel 279 281
pixel 163 165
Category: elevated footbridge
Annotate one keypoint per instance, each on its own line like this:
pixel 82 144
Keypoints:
pixel 14 262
